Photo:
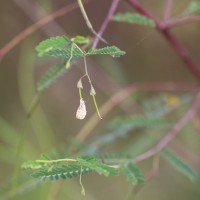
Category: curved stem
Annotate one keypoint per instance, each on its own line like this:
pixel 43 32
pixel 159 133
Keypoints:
pixel 95 103
pixel 20 144
pixel 172 133
pixel 89 24
pixel 105 23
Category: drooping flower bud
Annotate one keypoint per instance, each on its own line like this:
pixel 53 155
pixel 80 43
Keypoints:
pixel 81 112
pixel 92 91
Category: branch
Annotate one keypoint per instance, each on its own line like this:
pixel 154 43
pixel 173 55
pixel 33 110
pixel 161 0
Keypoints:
pixel 123 94
pixel 171 134
pixel 181 21
pixel 180 50
pixel 44 21
pixel 167 9
pixel 105 23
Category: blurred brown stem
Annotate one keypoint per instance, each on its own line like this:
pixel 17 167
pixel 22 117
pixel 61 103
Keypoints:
pixel 34 27
pixel 164 30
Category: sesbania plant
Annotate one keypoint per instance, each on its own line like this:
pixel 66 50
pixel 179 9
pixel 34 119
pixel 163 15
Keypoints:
pixel 79 47
pixel 48 169
pixel 70 50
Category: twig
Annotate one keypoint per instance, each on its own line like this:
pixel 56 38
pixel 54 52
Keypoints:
pixel 105 23
pixel 180 50
pixel 89 24
pixel 123 94
pixel 44 21
pixel 181 21
pixel 167 9
pixel 172 133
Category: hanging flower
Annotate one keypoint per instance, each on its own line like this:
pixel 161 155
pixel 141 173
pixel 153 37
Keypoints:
pixel 81 112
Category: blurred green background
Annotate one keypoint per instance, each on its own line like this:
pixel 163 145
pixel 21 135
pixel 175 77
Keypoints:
pixel 149 58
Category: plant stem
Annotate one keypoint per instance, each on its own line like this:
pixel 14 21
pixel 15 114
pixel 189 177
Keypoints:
pixel 20 145
pixel 80 93
pixel 105 23
pixel 56 161
pixel 95 103
pixel 180 50
pixel 71 56
pixel 89 24
pixel 183 53
pixel 181 21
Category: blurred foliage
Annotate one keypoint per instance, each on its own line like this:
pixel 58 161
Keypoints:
pixel 128 131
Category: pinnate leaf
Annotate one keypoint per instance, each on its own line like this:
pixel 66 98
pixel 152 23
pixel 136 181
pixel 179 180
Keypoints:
pixel 32 165
pixel 81 40
pixel 51 75
pixel 61 172
pixel 132 172
pixel 134 18
pixel 53 43
pixel 100 168
pixel 180 165
pixel 111 50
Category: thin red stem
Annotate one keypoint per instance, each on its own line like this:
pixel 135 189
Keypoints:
pixel 34 27
pixel 180 50
pixel 172 133
pixel 167 9
pixel 181 21
pixel 105 23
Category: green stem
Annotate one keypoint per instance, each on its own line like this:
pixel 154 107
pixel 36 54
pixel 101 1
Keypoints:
pixel 89 24
pixel 71 56
pixel 57 161
pixel 85 16
pixel 82 187
pixel 97 109
pixel 22 140
pixel 80 93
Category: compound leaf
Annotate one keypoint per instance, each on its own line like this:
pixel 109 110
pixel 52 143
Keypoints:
pixel 53 43
pixel 180 165
pixel 62 172
pixel 81 40
pixel 51 75
pixel 100 168
pixel 132 172
pixel 134 18
pixel 111 50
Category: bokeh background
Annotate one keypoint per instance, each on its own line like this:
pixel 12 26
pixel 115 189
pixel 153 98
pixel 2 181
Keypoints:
pixel 149 58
